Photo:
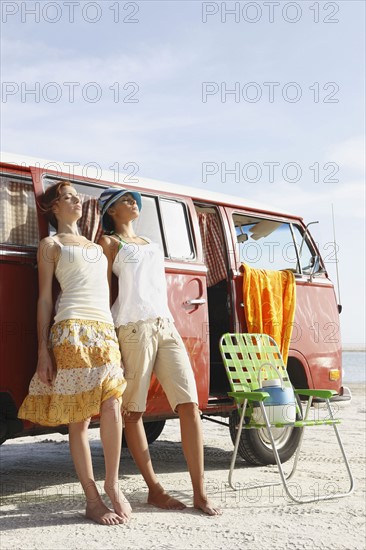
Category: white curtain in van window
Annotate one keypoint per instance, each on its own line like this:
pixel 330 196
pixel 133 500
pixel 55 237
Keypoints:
pixel 18 220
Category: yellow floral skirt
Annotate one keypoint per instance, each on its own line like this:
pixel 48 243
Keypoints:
pixel 89 371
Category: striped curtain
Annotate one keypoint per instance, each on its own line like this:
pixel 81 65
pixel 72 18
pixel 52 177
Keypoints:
pixel 213 247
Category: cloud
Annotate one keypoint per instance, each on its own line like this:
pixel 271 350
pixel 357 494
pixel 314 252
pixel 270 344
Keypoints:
pixel 349 153
pixel 348 198
pixel 42 62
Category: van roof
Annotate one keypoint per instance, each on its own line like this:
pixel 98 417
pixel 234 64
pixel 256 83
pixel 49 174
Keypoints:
pixel 195 193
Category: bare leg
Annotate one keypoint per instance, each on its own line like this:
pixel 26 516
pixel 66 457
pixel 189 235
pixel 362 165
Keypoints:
pixel 192 444
pixel 111 436
pixel 96 510
pixel 139 448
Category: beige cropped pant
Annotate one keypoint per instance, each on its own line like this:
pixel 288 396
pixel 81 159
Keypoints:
pixel 155 346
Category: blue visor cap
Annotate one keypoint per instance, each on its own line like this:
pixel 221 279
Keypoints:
pixel 108 198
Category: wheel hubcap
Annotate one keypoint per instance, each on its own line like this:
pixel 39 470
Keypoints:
pixel 280 436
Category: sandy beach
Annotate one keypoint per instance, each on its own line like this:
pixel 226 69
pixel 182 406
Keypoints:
pixel 42 506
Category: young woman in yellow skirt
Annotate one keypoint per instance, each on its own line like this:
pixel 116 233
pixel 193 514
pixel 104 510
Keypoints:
pixel 79 372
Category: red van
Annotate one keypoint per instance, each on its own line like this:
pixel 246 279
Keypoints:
pixel 206 237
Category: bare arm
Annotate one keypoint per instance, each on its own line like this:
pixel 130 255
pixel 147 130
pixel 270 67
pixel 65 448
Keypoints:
pixel 47 255
pixel 110 249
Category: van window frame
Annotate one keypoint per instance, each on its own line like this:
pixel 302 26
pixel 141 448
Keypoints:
pixel 72 180
pixel 157 199
pixel 291 223
pixel 188 224
pixel 19 248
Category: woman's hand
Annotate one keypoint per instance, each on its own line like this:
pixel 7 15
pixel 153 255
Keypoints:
pixel 47 254
pixel 45 369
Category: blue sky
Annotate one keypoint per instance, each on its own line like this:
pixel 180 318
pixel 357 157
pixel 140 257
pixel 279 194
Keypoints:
pixel 297 72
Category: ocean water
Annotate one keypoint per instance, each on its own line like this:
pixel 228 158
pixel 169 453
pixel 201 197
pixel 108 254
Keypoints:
pixel 354 366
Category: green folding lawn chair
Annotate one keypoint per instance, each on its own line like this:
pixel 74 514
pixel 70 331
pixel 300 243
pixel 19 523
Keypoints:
pixel 252 361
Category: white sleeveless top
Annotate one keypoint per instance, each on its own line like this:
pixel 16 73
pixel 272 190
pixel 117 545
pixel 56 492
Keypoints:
pixel 82 273
pixel 142 290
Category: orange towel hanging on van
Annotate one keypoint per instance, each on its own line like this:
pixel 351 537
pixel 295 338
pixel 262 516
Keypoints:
pixel 269 304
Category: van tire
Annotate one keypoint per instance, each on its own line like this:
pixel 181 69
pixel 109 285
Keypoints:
pixel 152 431
pixel 255 446
pixel 3 429
pixel 10 424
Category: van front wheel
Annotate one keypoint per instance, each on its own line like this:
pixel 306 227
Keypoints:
pixel 152 431
pixel 255 446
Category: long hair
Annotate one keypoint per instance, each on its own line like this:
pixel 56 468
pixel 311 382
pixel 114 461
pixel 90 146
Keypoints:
pixel 50 197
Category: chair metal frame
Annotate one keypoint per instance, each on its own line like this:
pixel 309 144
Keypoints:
pixel 244 356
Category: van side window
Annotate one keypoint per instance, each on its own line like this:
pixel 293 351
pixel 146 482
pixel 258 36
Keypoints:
pixel 162 221
pixel 18 215
pixel 176 230
pixel 148 224
pixel 270 244
pixel 89 224
pixel 306 255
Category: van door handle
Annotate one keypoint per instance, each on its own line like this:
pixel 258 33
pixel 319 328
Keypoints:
pixel 195 302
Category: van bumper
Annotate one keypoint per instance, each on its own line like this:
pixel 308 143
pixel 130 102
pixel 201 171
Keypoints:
pixel 344 396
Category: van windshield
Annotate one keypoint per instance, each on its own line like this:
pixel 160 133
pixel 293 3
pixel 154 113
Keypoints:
pixel 272 244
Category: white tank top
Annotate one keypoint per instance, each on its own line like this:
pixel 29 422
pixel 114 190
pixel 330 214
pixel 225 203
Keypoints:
pixel 82 273
pixel 142 290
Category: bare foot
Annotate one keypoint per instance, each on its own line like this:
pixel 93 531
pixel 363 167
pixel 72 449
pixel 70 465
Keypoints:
pixel 120 503
pixel 159 498
pixel 100 513
pixel 203 504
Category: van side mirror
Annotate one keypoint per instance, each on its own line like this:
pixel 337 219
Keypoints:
pixel 316 268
